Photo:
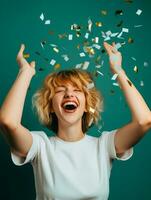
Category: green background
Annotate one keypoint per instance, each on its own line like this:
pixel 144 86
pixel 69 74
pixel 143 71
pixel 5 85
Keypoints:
pixel 20 23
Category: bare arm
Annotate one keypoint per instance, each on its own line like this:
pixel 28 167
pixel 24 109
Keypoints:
pixel 15 134
pixel 130 134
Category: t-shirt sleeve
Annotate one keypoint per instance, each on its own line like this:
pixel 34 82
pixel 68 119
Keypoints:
pixel 33 151
pixel 110 144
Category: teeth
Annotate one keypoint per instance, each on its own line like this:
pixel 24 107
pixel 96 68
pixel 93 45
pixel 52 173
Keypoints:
pixel 69 103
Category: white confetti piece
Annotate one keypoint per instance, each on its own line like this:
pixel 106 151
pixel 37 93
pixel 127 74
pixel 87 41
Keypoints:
pixel 141 83
pixel 120 34
pixel 82 54
pixel 107 38
pixel 125 30
pixel 114 77
pixel 47 22
pixel 116 84
pixel 42 16
pixel 52 62
pixel 66 58
pixel 86 35
pixel 108 33
pixel 89 25
pixel 98 66
pixel 96 39
pixel 96 46
pixel 92 110
pixel 114 34
pixel 133 58
pixel 100 73
pixel 137 26
pixel 117 46
pixel 78 65
pixel 85 65
pixel 70 37
pixel 138 12
pixel 146 64
pixel 90 85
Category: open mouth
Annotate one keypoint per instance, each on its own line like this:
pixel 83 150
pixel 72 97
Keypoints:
pixel 69 107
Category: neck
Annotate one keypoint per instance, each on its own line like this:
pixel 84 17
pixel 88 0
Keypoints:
pixel 70 132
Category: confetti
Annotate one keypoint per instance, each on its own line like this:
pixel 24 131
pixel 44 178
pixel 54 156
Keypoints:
pixel 100 73
pixel 42 16
pixel 130 40
pixel 104 12
pixel 82 54
pixel 117 46
pixel 47 22
pixel 70 37
pixel 89 25
pixel 85 65
pixel 96 46
pixel 56 49
pixel 78 65
pixel 114 34
pixel 62 36
pixel 52 62
pixel 133 58
pixel 90 85
pixel 135 69
pixel 141 83
pixel 99 24
pixel 146 64
pixel 86 35
pixel 57 66
pixel 114 77
pixel 26 55
pixel 92 110
pixel 66 58
pixel 138 12
pixel 137 26
pixel 115 84
pixel 125 30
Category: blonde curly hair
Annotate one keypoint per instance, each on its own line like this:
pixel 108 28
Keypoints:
pixel 42 99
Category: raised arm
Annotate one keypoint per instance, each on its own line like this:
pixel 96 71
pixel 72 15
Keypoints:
pixel 130 134
pixel 11 110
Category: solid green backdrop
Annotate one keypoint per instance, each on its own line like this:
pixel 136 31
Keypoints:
pixel 21 23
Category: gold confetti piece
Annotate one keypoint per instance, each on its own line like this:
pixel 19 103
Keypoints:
pixel 104 12
pixel 135 69
pixel 129 82
pixel 92 110
pixel 78 46
pixel 57 66
pixel 99 24
pixel 26 55
pixel 62 36
pixel 56 49
pixel 78 34
pixel 130 40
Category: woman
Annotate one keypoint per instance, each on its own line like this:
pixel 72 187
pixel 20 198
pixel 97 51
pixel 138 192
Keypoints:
pixel 71 164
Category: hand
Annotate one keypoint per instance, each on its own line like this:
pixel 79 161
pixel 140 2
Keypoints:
pixel 22 62
pixel 115 57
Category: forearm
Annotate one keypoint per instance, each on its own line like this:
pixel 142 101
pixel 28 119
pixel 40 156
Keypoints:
pixel 139 109
pixel 12 108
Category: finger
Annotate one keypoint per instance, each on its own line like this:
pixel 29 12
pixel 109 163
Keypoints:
pixel 32 64
pixel 20 53
pixel 108 47
pixel 114 49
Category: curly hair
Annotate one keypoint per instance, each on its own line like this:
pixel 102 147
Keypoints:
pixel 42 99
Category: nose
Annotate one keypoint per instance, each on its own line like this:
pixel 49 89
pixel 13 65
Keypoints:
pixel 68 94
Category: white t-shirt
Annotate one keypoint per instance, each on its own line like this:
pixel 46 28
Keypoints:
pixel 78 170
